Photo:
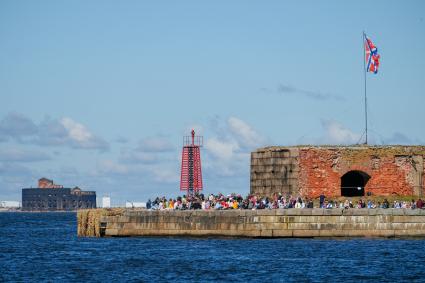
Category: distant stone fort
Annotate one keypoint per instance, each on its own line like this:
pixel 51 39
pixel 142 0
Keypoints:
pixel 338 170
pixel 52 197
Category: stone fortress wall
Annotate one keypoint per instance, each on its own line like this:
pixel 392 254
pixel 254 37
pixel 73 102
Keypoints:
pixel 254 223
pixel 312 170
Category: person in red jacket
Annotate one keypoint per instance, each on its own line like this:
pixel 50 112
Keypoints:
pixel 419 204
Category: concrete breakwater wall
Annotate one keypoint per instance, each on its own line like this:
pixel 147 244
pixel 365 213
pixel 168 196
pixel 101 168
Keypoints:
pixel 254 223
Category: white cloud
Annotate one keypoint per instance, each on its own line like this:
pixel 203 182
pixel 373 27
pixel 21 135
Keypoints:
pixel 227 153
pixel 80 137
pixel 50 132
pixel 237 165
pixel 221 149
pixel 336 133
pixel 76 131
pixel 236 137
pixel 245 134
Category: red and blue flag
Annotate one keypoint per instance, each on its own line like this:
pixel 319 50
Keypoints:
pixel 371 56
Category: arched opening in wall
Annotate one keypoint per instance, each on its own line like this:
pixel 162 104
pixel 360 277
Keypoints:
pixel 353 183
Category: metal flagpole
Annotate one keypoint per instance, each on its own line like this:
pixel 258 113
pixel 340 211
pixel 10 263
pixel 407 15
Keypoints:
pixel 364 70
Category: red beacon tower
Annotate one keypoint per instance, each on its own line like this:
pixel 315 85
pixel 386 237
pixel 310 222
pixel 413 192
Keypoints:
pixel 191 172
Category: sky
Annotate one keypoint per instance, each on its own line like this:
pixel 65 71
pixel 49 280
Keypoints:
pixel 98 94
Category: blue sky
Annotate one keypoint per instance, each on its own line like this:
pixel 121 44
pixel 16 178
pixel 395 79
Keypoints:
pixel 99 93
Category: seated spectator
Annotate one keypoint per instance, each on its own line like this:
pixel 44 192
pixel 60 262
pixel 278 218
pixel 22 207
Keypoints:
pixel 419 204
pixel 346 204
pixel 369 204
pixel 297 204
pixel 385 204
pixel 310 204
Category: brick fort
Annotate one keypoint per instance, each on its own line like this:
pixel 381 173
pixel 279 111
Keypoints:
pixel 336 171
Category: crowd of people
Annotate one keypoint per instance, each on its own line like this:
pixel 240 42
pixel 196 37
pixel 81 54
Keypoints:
pixel 374 204
pixel 278 201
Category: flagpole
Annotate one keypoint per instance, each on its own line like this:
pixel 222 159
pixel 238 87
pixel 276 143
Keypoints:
pixel 364 70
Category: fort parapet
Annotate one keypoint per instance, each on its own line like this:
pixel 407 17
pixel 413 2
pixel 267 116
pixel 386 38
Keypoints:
pixel 254 223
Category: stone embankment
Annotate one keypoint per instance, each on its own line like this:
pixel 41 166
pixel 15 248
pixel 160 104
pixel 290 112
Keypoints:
pixel 253 223
pixel 88 220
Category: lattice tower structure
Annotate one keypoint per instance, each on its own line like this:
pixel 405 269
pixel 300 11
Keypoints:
pixel 191 169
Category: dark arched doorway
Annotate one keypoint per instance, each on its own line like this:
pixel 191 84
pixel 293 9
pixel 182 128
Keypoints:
pixel 353 183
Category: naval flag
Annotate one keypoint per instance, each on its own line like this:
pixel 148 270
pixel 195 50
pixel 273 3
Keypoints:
pixel 371 55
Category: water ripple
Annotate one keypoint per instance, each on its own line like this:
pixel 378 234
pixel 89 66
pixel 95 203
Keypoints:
pixel 43 247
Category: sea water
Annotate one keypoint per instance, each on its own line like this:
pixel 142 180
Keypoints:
pixel 36 247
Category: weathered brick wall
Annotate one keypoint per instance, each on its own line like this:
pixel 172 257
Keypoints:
pixel 274 170
pixel 312 170
pixel 393 169
pixel 262 223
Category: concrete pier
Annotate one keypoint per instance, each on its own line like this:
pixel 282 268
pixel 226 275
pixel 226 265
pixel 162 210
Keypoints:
pixel 253 223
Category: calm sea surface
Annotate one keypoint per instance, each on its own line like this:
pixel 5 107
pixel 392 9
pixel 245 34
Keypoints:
pixel 43 247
